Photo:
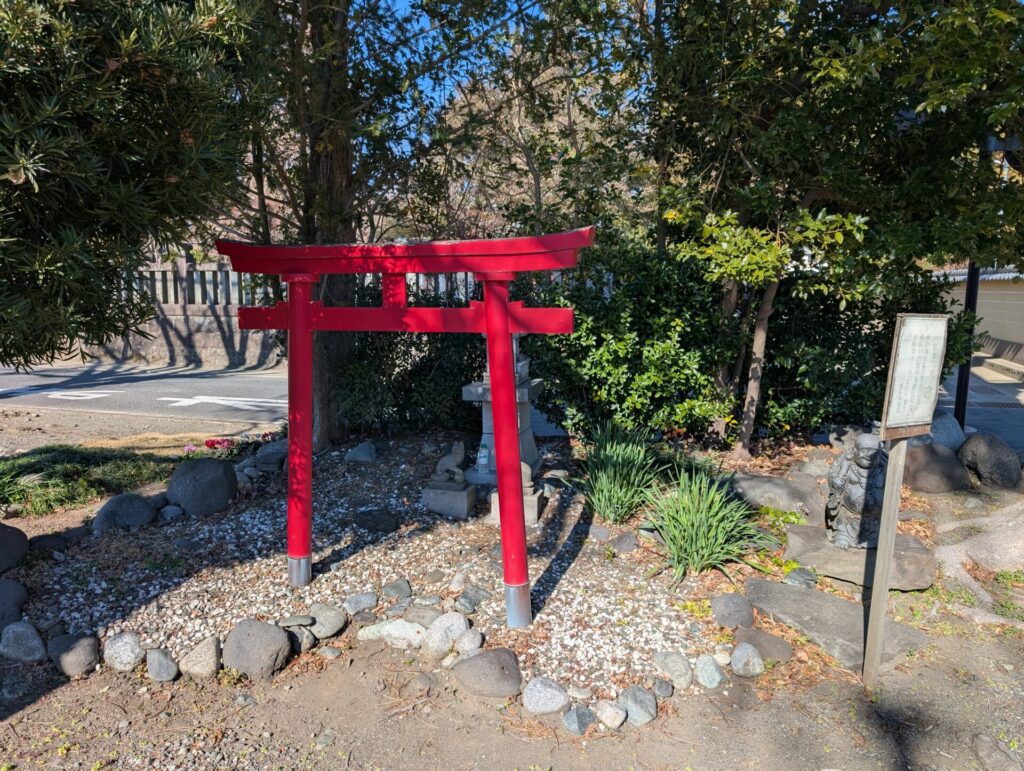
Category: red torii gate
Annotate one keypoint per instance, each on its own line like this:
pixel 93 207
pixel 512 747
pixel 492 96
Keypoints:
pixel 494 263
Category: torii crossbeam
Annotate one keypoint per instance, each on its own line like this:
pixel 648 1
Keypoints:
pixel 494 263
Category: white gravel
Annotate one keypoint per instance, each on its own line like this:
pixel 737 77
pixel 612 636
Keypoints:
pixel 598 626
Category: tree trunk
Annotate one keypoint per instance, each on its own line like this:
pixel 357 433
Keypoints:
pixel 757 348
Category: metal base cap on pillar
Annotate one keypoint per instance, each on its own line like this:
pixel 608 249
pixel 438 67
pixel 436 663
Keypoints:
pixel 518 612
pixel 300 571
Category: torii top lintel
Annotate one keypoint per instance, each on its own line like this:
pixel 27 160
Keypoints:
pixel 500 255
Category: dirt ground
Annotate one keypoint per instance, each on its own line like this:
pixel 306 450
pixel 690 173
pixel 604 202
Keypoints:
pixel 360 710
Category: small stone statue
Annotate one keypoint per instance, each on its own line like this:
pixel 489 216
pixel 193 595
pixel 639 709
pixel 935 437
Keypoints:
pixel 856 484
pixel 449 474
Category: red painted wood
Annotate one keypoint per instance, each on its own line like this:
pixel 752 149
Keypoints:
pixel 522 320
pixel 506 433
pixel 300 419
pixel 571 240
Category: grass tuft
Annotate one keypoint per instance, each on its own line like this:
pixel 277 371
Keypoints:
pixel 620 469
pixel 702 526
pixel 61 476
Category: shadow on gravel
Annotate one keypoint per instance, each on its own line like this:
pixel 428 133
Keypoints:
pixel 900 727
pixel 564 552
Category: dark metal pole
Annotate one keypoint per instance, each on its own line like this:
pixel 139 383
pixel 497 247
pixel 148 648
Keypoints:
pixel 963 375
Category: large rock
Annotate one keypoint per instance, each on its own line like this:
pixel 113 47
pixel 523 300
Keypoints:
pixel 202 486
pixel 992 459
pixel 932 468
pixel 640 704
pixel 203 661
pixel 677 666
pixel 13 546
pixel 271 456
pixel 123 651
pixel 442 634
pixel 21 642
pixel 798 493
pixel 732 610
pixel 328 620
pixel 12 599
pixel 833 623
pixel 492 674
pixel 160 665
pixel 913 565
pixel 256 649
pixel 946 432
pixel 770 647
pixel 74 656
pixel 126 511
pixel 542 696
pixel 365 452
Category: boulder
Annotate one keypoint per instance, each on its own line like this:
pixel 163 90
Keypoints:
pixel 933 468
pixel 126 511
pixel 733 610
pixel 328 620
pixel 470 640
pixel 746 660
pixel 770 647
pixel 123 651
pixel 542 696
pixel 271 456
pixel 442 634
pixel 203 661
pixel 992 459
pixel 160 665
pixel 202 486
pixel 74 656
pixel 799 493
pixel 491 674
pixel 404 634
pixel 640 704
pixel 13 546
pixel 12 599
pixel 256 649
pixel 709 672
pixel 913 565
pixel 835 624
pixel 21 642
pixel 945 432
pixel 676 666
pixel 578 719
pixel 610 714
pixel 366 452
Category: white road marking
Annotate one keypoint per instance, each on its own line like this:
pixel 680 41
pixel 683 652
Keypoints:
pixel 81 395
pixel 240 403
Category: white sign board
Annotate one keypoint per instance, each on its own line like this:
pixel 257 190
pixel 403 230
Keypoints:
pixel 915 372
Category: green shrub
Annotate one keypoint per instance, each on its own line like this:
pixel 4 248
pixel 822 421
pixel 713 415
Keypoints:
pixel 620 469
pixel 702 526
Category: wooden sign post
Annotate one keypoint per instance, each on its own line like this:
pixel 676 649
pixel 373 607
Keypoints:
pixel 912 390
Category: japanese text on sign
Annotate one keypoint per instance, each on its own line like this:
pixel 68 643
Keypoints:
pixel 918 353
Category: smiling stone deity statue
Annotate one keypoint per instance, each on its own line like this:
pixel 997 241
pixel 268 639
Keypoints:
pixel 856 484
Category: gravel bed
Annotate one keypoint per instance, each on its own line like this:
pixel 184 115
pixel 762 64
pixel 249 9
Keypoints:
pixel 599 619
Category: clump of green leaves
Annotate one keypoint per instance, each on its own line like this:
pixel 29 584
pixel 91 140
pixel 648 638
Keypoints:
pixel 620 470
pixel 776 519
pixel 59 476
pixel 702 526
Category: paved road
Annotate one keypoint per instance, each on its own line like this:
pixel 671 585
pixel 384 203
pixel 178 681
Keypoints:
pixel 995 405
pixel 250 397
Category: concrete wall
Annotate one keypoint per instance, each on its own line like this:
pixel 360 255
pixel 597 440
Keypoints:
pixel 1001 307
pixel 190 335
pixel 196 320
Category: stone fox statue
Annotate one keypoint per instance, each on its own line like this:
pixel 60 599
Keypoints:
pixel 856 484
pixel 449 468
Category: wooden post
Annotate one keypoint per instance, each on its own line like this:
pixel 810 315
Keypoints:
pixel 875 637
